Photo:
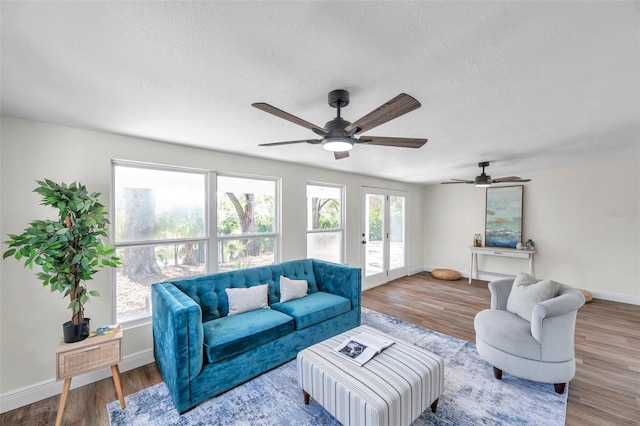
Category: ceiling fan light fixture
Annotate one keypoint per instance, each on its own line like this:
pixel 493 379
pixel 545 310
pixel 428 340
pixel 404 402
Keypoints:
pixel 483 181
pixel 337 144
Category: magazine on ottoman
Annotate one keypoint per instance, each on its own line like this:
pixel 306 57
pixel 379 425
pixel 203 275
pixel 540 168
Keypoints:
pixel 360 348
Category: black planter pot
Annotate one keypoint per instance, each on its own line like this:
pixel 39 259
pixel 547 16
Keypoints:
pixel 75 332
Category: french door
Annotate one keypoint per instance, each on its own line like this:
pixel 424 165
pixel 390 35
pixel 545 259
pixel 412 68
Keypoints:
pixel 383 236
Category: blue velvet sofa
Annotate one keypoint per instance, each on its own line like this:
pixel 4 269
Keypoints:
pixel 202 352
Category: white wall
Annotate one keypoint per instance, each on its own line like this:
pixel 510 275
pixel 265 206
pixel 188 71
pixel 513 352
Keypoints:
pixel 584 220
pixel 31 316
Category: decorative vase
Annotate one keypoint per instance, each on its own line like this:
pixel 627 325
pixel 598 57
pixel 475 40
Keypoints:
pixel 530 245
pixel 477 240
pixel 75 332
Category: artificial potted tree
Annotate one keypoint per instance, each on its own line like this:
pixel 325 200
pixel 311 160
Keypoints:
pixel 69 249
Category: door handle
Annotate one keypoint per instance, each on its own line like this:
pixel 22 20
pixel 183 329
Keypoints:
pixel 364 242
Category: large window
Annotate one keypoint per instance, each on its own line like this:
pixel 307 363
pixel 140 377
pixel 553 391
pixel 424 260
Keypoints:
pixel 160 228
pixel 324 222
pixel 247 225
pixel 160 231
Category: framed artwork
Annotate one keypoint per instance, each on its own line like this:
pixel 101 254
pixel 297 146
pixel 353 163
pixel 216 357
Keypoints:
pixel 503 216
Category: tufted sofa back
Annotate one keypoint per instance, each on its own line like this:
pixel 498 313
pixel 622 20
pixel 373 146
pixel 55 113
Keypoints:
pixel 208 291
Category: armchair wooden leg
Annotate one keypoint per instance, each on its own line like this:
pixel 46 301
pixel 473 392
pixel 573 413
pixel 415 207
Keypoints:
pixel 559 387
pixel 497 372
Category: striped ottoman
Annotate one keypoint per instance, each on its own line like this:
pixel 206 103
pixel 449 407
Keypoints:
pixel 393 388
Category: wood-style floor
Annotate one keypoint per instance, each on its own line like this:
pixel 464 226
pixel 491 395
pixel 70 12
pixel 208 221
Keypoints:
pixel 605 390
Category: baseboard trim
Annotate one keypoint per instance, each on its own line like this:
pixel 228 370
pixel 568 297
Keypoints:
pixel 414 271
pixel 597 294
pixel 48 388
pixel 615 297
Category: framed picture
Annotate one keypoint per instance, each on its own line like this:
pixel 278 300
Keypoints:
pixel 503 216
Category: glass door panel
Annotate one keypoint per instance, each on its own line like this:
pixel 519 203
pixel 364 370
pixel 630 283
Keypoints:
pixel 396 232
pixel 373 238
pixel 383 236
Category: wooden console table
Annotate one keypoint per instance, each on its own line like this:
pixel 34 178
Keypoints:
pixel 499 251
pixel 94 353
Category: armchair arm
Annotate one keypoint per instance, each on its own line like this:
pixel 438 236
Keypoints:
pixel 568 301
pixel 500 290
pixel 178 338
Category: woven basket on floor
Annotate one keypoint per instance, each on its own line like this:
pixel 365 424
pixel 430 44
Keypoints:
pixel 587 295
pixel 446 274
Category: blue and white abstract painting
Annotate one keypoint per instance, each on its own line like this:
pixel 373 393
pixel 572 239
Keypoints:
pixel 503 223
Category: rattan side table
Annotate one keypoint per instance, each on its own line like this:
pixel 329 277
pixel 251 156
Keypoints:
pixel 73 359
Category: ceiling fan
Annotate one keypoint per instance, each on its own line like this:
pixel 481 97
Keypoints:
pixel 484 180
pixel 339 135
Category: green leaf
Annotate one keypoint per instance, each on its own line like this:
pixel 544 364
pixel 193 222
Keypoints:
pixel 94 293
pixel 8 253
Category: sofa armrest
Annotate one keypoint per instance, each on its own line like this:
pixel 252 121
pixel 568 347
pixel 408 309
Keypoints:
pixel 500 290
pixel 178 338
pixel 343 280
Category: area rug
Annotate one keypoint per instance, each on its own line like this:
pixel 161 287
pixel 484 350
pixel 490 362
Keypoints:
pixel 472 396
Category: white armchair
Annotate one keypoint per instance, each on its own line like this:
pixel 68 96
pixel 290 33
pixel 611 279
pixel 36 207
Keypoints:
pixel 542 349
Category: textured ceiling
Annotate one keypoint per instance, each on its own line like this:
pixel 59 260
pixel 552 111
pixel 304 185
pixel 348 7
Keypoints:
pixel 527 85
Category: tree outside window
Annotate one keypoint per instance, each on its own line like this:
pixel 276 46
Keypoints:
pixel 160 232
pixel 324 222
pixel 246 228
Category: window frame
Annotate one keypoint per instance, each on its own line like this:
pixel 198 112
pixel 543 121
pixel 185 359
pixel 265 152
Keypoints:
pixel 341 230
pixel 206 240
pixel 211 239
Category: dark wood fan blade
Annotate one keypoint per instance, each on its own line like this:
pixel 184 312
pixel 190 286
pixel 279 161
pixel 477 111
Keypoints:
pixel 509 179
pixel 506 178
pixel 394 108
pixel 292 118
pixel 458 181
pixel 389 141
pixel 341 155
pixel 312 141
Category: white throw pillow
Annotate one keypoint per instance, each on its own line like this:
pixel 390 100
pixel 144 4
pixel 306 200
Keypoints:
pixel 247 299
pixel 292 289
pixel 527 292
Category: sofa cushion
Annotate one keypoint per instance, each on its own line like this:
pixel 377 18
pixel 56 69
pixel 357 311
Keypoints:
pixel 527 292
pixel 247 299
pixel 507 332
pixel 314 308
pixel 232 335
pixel 292 289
